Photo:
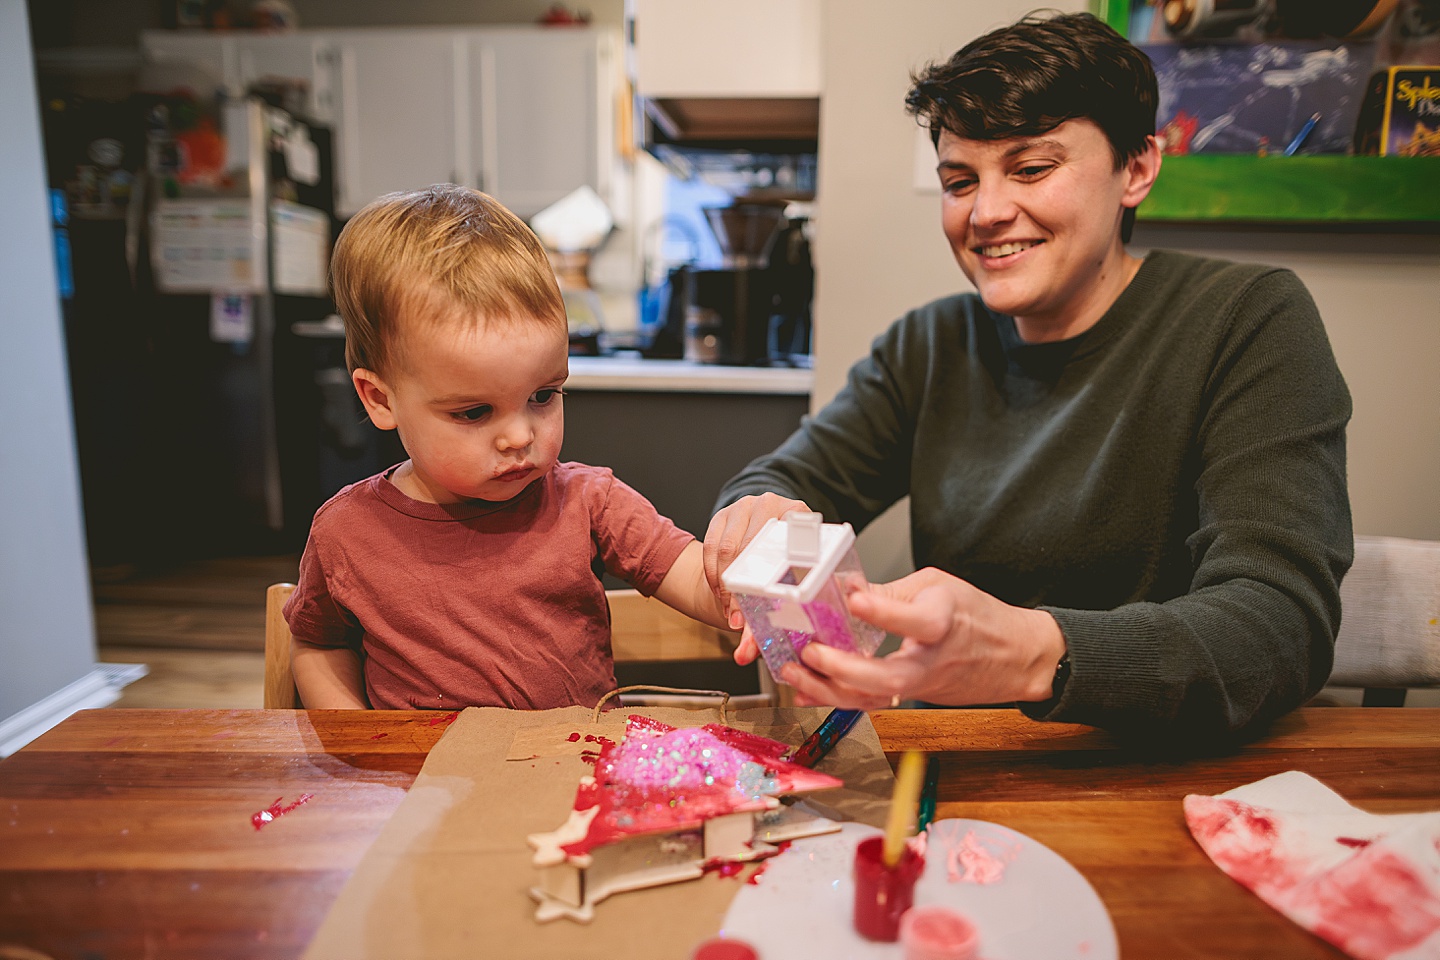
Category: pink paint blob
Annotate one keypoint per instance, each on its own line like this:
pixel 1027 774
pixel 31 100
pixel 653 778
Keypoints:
pixel 573 738
pixel 1357 842
pixel 447 719
pixel 278 809
pixel 938 933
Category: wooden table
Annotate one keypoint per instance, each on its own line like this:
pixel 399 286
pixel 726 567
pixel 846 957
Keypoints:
pixel 128 833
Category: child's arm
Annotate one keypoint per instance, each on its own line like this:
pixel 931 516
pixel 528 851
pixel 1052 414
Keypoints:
pixel 686 589
pixel 328 678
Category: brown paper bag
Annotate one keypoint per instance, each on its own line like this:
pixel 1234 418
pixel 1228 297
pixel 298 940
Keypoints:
pixel 449 875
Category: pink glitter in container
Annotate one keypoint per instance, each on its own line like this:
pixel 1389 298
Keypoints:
pixel 792 582
pixel 938 933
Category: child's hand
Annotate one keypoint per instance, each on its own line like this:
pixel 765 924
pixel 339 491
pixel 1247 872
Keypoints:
pixel 729 531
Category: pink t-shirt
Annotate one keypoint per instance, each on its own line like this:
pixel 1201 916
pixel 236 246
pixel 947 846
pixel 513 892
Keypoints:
pixel 480 604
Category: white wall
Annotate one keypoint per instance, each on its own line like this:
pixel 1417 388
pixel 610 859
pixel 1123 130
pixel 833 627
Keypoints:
pixel 47 638
pixel 880 251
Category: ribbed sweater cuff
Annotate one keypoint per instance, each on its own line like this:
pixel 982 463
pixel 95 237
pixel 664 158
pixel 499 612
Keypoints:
pixel 1114 667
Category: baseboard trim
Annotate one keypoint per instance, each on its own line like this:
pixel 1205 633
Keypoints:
pixel 98 688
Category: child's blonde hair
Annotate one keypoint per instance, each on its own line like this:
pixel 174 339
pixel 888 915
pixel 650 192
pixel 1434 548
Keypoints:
pixel 402 251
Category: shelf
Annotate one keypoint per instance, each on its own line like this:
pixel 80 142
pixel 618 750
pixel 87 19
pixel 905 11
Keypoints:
pixel 1239 187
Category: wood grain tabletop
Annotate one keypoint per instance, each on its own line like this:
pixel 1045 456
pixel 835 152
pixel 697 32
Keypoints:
pixel 144 833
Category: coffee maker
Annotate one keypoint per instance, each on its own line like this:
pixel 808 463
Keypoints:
pixel 728 311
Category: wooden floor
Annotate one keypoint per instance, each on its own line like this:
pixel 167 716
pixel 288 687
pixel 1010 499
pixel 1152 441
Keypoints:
pixel 199 627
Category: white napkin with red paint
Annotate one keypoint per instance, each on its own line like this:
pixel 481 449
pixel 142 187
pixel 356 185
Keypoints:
pixel 1367 883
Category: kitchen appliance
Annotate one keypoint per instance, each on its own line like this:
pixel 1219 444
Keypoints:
pixel 728 315
pixel 199 232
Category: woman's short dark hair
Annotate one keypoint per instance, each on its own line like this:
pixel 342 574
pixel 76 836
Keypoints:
pixel 1028 78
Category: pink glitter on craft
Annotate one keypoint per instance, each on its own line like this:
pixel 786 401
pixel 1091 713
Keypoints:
pixel 277 809
pixel 658 779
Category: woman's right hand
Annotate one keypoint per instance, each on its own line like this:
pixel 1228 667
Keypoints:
pixel 729 531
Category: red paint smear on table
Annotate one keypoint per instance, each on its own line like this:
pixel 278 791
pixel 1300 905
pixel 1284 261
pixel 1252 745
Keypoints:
pixel 1357 842
pixel 573 738
pixel 436 721
pixel 380 736
pixel 278 809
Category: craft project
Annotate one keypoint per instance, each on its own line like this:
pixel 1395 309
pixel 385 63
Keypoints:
pixel 665 805
pixel 791 582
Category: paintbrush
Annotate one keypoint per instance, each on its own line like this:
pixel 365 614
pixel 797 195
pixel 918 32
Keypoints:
pixel 902 806
pixel 928 793
pixel 823 740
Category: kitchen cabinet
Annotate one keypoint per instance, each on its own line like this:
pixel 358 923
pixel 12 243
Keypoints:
pixel 239 60
pixel 398 127
pixel 542 114
pixel 525 113
pixel 743 48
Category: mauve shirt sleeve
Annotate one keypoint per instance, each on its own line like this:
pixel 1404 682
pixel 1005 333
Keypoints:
pixel 313 613
pixel 636 543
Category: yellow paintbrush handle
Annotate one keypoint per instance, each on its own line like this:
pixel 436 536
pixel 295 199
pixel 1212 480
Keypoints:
pixel 902 807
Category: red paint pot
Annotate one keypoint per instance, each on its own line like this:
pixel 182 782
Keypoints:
pixel 723 949
pixel 938 933
pixel 883 894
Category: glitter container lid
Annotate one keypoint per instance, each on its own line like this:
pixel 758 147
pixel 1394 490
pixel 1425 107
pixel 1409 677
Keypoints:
pixel 791 558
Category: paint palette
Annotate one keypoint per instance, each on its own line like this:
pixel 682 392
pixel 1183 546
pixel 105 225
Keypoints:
pixel 1036 906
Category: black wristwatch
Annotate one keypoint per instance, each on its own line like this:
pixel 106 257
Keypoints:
pixel 1062 674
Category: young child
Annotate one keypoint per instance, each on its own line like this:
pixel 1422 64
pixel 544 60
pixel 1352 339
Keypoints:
pixel 470 573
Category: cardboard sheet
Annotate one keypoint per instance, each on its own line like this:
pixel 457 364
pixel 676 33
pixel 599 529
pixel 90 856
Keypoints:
pixel 449 875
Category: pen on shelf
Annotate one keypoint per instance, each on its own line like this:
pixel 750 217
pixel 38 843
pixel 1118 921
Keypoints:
pixel 902 805
pixel 819 743
pixel 928 793
pixel 1303 135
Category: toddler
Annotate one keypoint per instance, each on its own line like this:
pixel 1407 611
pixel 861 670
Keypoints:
pixel 470 573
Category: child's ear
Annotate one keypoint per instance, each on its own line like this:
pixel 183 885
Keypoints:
pixel 375 396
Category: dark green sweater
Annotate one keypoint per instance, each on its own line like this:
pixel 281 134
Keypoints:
pixel 1170 485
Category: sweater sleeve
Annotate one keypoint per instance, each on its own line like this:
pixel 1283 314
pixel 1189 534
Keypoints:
pixel 851 460
pixel 1254 635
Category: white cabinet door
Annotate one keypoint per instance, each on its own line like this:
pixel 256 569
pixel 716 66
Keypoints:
pixel 540 114
pixel 397 120
pixel 214 53
pixel 292 55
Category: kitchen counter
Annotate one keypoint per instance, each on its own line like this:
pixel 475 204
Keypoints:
pixel 633 374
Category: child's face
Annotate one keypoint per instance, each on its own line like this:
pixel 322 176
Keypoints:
pixel 478 408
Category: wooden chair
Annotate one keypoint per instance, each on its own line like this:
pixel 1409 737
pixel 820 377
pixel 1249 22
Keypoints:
pixel 280 692
pixel 1389 639
pixel 641 629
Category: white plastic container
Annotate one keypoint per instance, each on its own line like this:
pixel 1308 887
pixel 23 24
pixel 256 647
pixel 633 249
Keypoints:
pixel 791 582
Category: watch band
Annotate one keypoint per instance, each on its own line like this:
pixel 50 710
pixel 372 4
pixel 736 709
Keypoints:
pixel 1062 674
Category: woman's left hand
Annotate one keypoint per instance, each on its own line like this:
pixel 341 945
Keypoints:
pixel 959 646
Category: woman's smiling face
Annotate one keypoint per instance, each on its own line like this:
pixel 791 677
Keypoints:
pixel 1034 222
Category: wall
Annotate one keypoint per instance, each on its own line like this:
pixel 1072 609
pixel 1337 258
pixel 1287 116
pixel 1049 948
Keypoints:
pixel 47 639
pixel 880 251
